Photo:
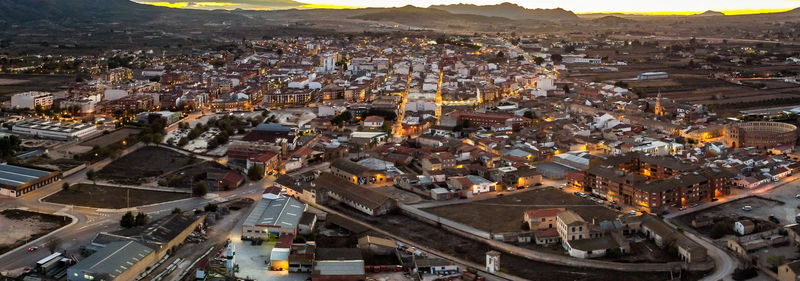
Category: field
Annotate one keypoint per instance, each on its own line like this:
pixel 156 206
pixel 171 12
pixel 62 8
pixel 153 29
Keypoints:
pixel 15 83
pixel 504 214
pixel 146 162
pixel 19 226
pixel 111 197
pixel 113 137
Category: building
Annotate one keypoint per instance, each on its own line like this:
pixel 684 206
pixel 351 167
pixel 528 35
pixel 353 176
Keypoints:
pixel 18 180
pixel 789 271
pixel 743 227
pixel 53 130
pixel 357 173
pixel 119 261
pixel 277 215
pixel 542 219
pixel 32 100
pixel 338 264
pixel 165 235
pixel 571 226
pixel 363 199
pixel 653 76
pixel 760 134
pixel 373 121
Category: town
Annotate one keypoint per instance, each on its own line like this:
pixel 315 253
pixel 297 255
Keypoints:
pixel 404 155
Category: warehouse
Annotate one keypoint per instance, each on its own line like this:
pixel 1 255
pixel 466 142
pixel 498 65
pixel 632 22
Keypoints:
pixel 277 215
pixel 122 260
pixel 52 129
pixel 17 180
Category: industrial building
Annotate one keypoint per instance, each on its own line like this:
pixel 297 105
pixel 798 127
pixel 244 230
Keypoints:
pixel 18 180
pixel 277 215
pixel 121 260
pixel 52 129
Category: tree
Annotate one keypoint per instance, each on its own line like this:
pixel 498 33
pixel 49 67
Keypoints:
pixel 538 60
pixel 341 119
pixel 528 114
pixel 566 89
pixel 141 219
pixel 255 172
pixel 91 175
pixel 210 207
pixel 65 186
pixel 128 220
pixel 53 245
pixel 200 189
pixel 177 211
pixel 500 54
pixel 557 58
pixel 720 229
pixel 525 226
pixel 9 145
pixel 776 261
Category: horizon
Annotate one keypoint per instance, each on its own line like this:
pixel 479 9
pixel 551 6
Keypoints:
pixel 580 7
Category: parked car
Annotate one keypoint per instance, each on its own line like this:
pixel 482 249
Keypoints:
pixel 797 218
pixel 695 205
pixel 632 213
pixel 538 184
pixel 511 188
pixel 683 208
pixel 774 219
pixel 500 195
pixel 747 208
pixel 33 249
pixel 714 199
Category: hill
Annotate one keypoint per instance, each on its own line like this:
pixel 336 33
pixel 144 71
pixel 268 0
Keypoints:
pixel 509 10
pixel 710 13
pixel 68 12
pixel 612 20
pixel 423 16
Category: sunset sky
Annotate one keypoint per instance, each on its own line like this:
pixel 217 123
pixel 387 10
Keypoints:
pixel 578 6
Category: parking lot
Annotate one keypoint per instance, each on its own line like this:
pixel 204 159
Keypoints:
pixel 251 260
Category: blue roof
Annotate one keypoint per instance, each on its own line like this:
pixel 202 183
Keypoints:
pixel 272 127
pixel 15 175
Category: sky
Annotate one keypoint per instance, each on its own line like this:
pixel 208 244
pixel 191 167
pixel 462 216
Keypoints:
pixel 577 6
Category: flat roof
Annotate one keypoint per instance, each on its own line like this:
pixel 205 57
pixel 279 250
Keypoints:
pixel 282 211
pixel 11 175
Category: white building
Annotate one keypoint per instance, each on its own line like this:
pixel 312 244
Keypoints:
pixel 52 129
pixel 653 75
pixel 31 100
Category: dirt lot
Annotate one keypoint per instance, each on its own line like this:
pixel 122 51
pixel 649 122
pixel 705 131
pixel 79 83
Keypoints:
pixel 504 214
pixel 111 197
pixel 55 164
pixel 19 226
pixel 15 83
pixel 439 239
pixel 143 163
pixel 113 137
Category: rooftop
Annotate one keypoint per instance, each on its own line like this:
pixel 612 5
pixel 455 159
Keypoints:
pixel 283 212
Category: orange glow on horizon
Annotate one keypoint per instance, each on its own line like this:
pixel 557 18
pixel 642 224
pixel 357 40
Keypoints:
pixel 689 13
